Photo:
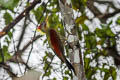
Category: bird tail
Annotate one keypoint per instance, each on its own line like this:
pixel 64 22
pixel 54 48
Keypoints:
pixel 70 66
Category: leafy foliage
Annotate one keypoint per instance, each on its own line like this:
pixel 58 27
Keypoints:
pixel 8 18
pixel 9 4
pixel 97 45
pixel 6 54
pixel 39 13
pixel 118 21
pixel 78 4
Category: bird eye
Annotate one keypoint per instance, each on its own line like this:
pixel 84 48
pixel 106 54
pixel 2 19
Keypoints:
pixel 41 25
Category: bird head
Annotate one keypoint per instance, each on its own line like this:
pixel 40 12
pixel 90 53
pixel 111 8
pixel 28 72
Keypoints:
pixel 42 28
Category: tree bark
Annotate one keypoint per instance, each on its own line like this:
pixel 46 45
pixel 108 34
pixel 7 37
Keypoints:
pixel 73 41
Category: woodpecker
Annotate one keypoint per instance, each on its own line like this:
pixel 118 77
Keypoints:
pixel 55 42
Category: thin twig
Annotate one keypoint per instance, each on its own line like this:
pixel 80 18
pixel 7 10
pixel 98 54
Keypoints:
pixel 18 18
pixel 8 69
pixel 48 66
pixel 16 55
pixel 34 37
pixel 22 33
pixel 98 14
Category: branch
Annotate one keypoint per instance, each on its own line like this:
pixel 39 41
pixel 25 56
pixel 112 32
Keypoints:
pixel 35 33
pixel 73 50
pixel 19 53
pixel 104 17
pixel 8 69
pixel 22 33
pixel 48 66
pixel 97 13
pixel 113 52
pixel 105 2
pixel 18 18
pixel 90 5
pixel 28 44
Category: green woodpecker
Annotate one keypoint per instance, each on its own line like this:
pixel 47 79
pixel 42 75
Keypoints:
pixel 55 43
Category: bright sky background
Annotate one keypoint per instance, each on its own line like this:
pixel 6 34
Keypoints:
pixel 38 52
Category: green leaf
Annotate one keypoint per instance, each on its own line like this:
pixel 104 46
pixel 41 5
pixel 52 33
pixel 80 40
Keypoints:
pixel 6 54
pixel 61 29
pixel 48 72
pixel 81 19
pixel 39 13
pixel 54 9
pixel 94 78
pixel 118 20
pixel 87 63
pixel 67 72
pixel 106 76
pixel 99 32
pixel 109 32
pixel 53 21
pixel 65 78
pixel 112 41
pixel 113 73
pixel 8 18
pixel 79 33
pixel 103 69
pixel 85 27
pixel 45 57
pixel 78 5
pixel 10 34
pixel 102 41
pixel 90 40
pixel 89 73
pixel 9 4
pixel 7 40
pixel 45 41
pixel 45 66
pixel 54 79
pixel 87 44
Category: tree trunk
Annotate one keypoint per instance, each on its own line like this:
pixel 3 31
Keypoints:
pixel 75 54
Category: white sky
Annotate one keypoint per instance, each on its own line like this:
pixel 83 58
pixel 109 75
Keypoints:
pixel 39 49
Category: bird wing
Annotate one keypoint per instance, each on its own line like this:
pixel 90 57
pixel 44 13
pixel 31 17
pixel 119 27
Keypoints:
pixel 56 44
pixel 58 48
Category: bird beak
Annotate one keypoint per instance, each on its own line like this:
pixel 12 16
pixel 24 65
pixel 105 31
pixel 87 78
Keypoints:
pixel 41 32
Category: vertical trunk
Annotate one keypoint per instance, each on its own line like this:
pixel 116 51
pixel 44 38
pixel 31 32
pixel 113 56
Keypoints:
pixel 73 41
